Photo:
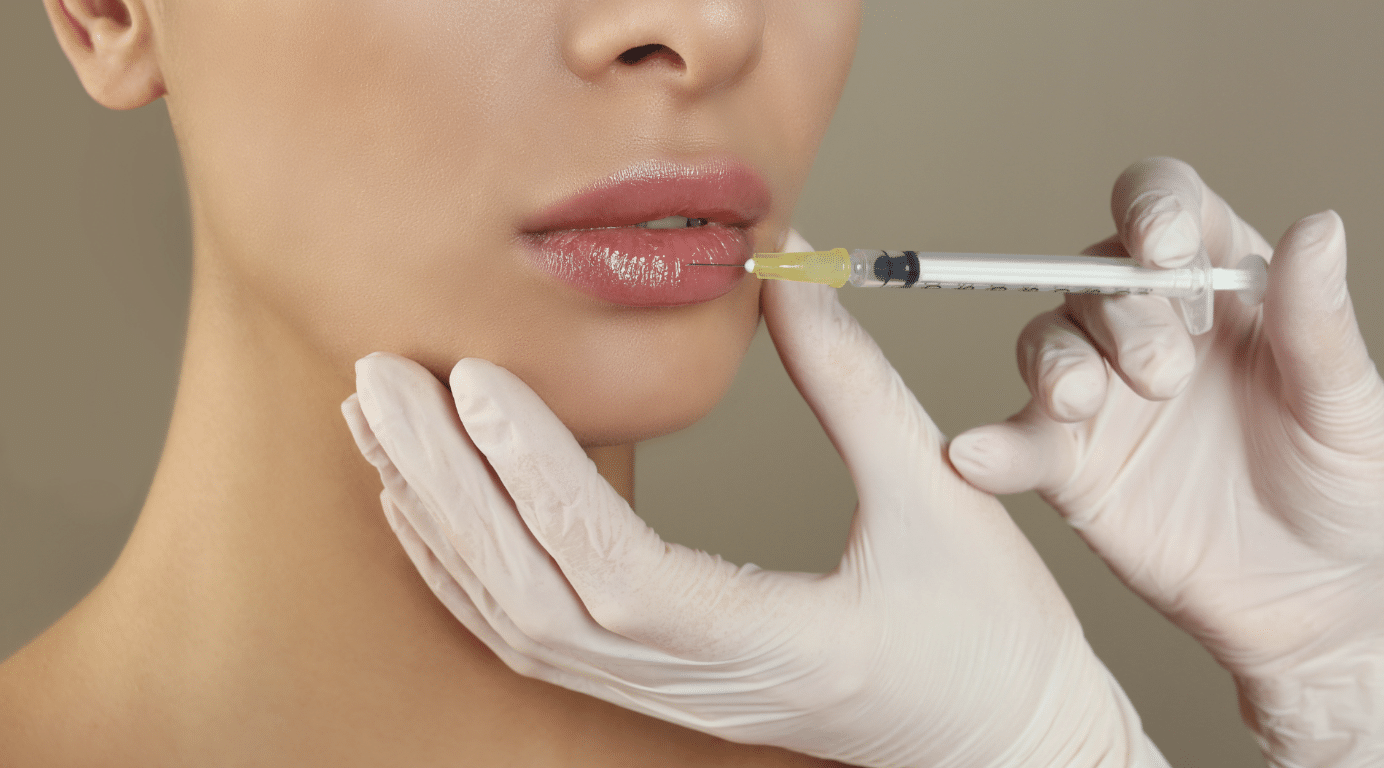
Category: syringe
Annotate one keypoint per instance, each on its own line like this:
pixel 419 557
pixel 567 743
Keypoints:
pixel 1191 287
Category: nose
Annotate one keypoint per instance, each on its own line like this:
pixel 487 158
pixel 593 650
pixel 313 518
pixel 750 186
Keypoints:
pixel 695 46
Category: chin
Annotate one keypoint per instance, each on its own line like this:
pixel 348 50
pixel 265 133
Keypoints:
pixel 595 427
pixel 606 410
pixel 626 394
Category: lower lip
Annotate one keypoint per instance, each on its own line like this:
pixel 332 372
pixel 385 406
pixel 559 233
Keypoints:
pixel 640 267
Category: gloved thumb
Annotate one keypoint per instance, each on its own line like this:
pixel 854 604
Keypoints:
pixel 891 448
pixel 866 409
pixel 1310 322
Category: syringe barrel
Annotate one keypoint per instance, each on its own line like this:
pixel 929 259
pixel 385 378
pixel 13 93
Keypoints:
pixel 995 272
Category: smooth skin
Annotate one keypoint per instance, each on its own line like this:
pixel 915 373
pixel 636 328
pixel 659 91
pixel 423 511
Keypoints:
pixel 357 173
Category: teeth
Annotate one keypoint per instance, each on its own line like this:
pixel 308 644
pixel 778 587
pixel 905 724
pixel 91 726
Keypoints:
pixel 672 222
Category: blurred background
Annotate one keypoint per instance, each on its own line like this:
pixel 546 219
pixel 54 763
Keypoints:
pixel 969 125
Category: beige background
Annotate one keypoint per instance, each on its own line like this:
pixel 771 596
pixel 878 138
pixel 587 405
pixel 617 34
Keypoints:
pixel 967 125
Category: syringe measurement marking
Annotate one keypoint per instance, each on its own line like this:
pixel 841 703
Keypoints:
pixel 997 287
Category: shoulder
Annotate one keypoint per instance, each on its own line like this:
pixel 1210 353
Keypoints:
pixel 52 711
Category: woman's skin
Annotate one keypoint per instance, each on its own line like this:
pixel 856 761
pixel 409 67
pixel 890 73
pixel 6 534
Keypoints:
pixel 358 174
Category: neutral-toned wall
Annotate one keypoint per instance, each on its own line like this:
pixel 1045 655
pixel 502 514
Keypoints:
pixel 967 125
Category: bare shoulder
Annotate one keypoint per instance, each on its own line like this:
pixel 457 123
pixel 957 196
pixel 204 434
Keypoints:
pixel 24 702
pixel 47 716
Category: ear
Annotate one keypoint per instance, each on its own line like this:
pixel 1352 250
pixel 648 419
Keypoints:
pixel 111 45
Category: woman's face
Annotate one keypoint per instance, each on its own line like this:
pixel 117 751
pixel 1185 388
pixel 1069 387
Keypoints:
pixel 447 179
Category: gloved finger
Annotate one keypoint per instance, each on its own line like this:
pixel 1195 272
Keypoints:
pixel 424 456
pixel 1143 339
pixel 1152 357
pixel 366 443
pixel 1062 368
pixel 727 698
pixel 446 582
pixel 457 505
pixel 1332 383
pixel 793 242
pixel 538 615
pixel 680 601
pixel 907 492
pixel 457 588
pixel 1029 451
pixel 1164 213
pixel 867 410
pixel 865 407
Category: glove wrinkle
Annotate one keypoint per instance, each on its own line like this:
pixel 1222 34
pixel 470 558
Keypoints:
pixel 1249 508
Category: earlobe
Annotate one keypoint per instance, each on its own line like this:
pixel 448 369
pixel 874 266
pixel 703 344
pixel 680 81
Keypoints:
pixel 111 46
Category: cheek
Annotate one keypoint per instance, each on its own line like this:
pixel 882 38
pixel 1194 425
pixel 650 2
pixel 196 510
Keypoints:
pixel 343 164
pixel 324 143
pixel 793 92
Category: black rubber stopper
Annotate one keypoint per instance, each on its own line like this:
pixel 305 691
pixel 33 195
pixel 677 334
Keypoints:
pixel 903 268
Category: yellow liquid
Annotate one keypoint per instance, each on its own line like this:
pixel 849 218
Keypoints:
pixel 831 268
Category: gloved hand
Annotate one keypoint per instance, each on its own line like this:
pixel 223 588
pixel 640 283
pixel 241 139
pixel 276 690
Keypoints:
pixel 1249 508
pixel 940 640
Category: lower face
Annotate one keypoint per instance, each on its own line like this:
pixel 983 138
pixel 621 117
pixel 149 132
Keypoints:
pixel 446 180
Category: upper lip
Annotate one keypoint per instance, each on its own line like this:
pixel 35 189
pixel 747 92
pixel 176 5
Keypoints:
pixel 723 192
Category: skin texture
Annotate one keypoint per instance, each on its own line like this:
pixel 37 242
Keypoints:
pixel 357 174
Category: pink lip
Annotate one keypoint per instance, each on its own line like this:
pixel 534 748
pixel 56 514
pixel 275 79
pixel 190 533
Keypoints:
pixel 589 241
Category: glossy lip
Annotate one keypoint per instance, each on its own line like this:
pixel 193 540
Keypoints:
pixel 589 240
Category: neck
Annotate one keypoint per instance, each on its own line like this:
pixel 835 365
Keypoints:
pixel 263 611
pixel 262 584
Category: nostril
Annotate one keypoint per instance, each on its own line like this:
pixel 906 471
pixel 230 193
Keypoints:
pixel 643 53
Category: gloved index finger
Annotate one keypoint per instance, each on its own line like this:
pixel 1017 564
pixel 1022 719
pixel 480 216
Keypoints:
pixel 867 410
pixel 908 492
pixel 1164 213
pixel 681 601
pixel 440 483
pixel 400 400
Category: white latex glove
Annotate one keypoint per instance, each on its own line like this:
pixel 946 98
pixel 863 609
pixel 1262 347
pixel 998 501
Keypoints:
pixel 1249 509
pixel 941 640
